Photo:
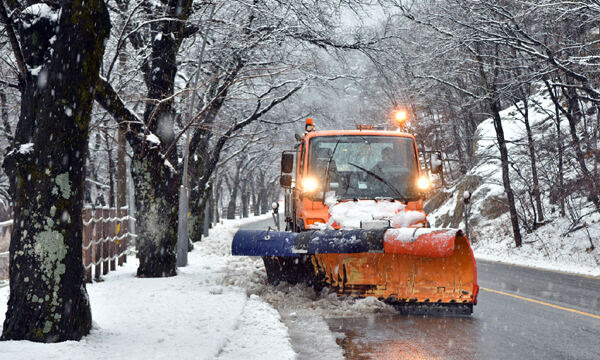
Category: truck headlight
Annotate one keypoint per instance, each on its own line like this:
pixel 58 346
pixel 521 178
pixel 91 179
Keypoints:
pixel 309 184
pixel 423 183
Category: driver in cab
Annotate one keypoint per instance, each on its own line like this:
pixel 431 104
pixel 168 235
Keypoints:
pixel 387 160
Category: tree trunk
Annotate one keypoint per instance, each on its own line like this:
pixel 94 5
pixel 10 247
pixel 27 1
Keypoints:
pixel 573 113
pixel 560 148
pixel 198 194
pixel 157 216
pixel 532 159
pixel 534 174
pixel 4 114
pixel 48 300
pixel 121 170
pixel 121 154
pixel 258 202
pixel 210 209
pixel 197 212
pixel 561 173
pixel 111 174
pixel 494 107
pixel 459 149
pixel 514 217
pixel 156 182
pixel 216 202
pixel 231 207
pixel 245 200
pixel 264 199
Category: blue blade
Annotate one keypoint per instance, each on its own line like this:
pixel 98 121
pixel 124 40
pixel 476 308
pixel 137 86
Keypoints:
pixel 257 243
pixel 340 241
pixel 335 241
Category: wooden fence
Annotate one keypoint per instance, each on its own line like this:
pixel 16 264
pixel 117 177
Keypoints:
pixel 5 232
pixel 106 241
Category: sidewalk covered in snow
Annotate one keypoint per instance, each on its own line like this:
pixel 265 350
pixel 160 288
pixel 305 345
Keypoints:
pixel 193 315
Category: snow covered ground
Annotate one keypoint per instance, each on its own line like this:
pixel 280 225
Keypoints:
pixel 199 314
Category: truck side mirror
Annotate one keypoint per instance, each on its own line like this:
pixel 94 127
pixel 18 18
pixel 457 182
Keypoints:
pixel 285 180
pixel 287 162
pixel 436 163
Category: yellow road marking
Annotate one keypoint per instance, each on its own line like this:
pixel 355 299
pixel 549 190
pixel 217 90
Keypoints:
pixel 542 303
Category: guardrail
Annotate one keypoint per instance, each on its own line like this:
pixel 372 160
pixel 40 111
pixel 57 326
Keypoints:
pixel 106 241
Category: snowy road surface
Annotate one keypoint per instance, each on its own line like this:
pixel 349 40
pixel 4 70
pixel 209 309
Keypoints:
pixel 553 316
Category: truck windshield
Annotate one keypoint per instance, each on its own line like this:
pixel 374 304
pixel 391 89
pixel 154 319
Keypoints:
pixel 364 167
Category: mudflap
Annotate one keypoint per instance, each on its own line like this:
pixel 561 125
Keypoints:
pixel 293 270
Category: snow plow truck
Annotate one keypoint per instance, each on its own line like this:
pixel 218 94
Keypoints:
pixel 355 223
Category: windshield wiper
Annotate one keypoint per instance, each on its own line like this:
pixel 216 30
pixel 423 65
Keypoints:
pixel 402 197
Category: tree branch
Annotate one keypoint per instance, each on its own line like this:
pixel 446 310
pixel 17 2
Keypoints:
pixel 14 43
pixel 216 153
pixel 9 84
pixel 134 128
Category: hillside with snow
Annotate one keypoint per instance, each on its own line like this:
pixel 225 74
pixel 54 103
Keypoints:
pixel 569 243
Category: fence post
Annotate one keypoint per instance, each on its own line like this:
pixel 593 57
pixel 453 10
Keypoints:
pixel 97 246
pixel 112 245
pixel 122 230
pixel 118 232
pixel 88 235
pixel 105 243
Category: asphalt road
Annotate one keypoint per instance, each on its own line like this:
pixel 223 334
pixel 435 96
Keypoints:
pixel 522 313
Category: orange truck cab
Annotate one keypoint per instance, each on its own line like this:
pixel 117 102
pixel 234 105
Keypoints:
pixel 351 165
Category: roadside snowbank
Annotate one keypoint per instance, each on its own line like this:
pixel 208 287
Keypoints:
pixel 195 315
pixel 304 311
pixel 545 248
pixel 561 243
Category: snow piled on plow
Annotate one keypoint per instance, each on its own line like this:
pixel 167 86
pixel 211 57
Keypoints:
pixel 349 214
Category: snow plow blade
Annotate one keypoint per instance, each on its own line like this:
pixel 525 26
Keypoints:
pixel 418 270
pixel 263 243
